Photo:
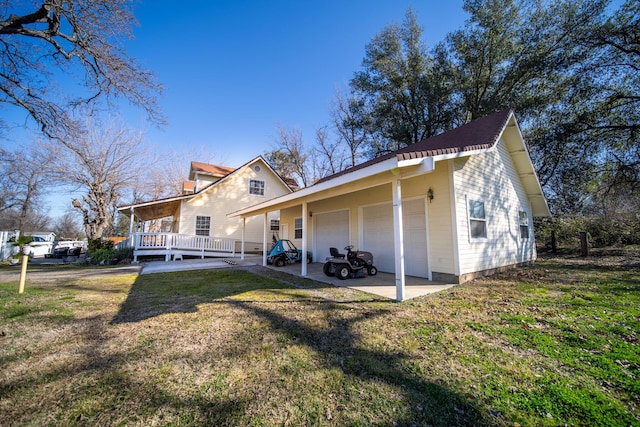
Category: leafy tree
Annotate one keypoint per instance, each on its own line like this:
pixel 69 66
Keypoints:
pixel 402 89
pixel 43 39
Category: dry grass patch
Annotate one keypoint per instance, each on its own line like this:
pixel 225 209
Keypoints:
pixel 547 345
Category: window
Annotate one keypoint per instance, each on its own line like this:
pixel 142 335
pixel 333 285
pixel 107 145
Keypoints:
pixel 298 228
pixel 256 187
pixel 524 224
pixel 477 220
pixel 203 225
pixel 275 225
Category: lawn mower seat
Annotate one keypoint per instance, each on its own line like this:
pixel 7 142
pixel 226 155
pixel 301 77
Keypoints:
pixel 334 253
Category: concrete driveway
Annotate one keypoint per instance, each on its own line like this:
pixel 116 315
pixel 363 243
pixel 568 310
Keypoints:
pixel 382 284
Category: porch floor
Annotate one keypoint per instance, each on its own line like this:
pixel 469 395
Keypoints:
pixel 382 284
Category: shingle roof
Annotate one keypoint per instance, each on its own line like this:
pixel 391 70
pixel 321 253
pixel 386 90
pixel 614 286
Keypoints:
pixel 476 135
pixel 211 169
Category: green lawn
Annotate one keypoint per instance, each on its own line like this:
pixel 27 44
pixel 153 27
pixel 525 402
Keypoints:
pixel 554 344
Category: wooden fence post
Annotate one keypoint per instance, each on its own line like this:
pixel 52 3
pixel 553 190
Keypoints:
pixel 584 244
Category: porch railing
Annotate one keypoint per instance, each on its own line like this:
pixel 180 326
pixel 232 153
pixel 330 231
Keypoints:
pixel 172 244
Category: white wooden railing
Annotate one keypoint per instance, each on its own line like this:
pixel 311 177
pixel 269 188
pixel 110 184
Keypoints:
pixel 173 244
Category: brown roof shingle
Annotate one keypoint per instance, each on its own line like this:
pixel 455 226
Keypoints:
pixel 211 169
pixel 476 135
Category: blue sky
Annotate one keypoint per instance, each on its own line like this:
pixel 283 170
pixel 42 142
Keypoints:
pixel 235 70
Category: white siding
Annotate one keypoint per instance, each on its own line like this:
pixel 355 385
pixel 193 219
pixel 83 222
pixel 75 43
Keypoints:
pixel 229 195
pixel 492 178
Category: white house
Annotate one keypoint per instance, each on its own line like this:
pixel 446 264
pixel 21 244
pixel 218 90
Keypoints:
pixel 199 224
pixel 449 208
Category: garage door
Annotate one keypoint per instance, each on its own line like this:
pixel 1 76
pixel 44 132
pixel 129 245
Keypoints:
pixel 331 230
pixel 378 237
pixel 377 227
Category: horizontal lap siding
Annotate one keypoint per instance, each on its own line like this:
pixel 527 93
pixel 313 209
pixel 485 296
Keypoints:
pixel 492 178
pixel 231 195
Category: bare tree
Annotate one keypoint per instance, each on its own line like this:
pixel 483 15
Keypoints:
pixel 23 180
pixel 68 226
pixel 170 169
pixel 40 39
pixel 351 123
pixel 103 164
pixel 330 156
pixel 290 157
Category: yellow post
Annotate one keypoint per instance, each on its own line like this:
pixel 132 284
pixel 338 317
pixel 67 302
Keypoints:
pixel 23 273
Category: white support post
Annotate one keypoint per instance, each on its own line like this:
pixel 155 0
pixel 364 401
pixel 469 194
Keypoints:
pixel 244 225
pixel 132 218
pixel 305 223
pixel 398 241
pixel 264 241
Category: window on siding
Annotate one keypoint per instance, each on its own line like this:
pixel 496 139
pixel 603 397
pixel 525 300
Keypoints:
pixel 256 187
pixel 298 228
pixel 203 225
pixel 275 225
pixel 524 224
pixel 477 220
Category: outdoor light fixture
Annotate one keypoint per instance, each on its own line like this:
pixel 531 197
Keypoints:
pixel 430 194
pixel 310 214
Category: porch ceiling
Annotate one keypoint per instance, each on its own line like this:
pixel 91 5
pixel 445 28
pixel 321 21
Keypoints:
pixel 154 211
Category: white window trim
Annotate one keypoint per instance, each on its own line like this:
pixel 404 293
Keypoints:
pixel 251 181
pixel 294 227
pixel 520 224
pixel 472 239
pixel 196 226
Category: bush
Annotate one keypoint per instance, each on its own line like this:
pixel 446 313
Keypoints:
pixel 603 231
pixel 97 244
pixel 100 255
pixel 109 254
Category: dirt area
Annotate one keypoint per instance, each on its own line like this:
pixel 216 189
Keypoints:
pixel 597 257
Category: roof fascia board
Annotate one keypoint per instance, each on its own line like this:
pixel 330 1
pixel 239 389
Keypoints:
pixel 375 169
pixel 155 202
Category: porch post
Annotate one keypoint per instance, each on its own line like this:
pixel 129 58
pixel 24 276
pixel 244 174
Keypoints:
pixel 244 223
pixel 303 261
pixel 131 219
pixel 398 238
pixel 264 241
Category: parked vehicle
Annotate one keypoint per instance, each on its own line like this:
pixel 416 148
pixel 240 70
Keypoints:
pixel 65 248
pixel 285 252
pixel 39 247
pixel 353 264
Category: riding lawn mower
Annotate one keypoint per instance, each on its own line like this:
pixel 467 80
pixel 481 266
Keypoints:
pixel 353 264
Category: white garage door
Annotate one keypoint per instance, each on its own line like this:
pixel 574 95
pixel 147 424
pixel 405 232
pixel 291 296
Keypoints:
pixel 378 237
pixel 331 230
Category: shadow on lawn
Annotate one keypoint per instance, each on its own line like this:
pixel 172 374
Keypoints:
pixel 422 401
pixel 338 345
